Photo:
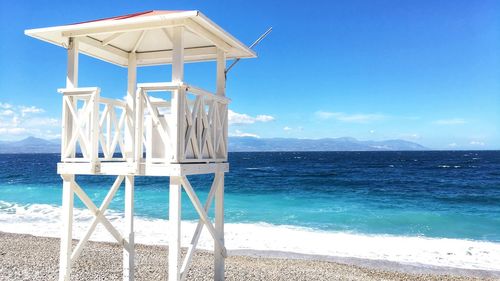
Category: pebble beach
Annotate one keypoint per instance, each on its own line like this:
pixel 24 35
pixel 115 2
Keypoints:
pixel 27 257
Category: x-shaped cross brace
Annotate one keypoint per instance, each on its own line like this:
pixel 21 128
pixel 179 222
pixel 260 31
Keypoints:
pixel 203 221
pixel 98 216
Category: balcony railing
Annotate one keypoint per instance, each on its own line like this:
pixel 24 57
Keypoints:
pixel 92 124
pixel 190 126
pixel 172 123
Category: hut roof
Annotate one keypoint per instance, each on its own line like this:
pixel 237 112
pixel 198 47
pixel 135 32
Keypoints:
pixel 149 35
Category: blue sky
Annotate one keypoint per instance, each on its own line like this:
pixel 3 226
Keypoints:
pixel 424 71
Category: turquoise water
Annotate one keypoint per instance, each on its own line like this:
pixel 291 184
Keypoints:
pixel 452 194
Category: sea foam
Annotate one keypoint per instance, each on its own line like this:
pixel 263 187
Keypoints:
pixel 44 220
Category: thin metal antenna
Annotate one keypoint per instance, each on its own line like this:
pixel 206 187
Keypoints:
pixel 264 35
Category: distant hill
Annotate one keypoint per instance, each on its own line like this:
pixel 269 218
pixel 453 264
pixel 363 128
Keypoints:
pixel 30 145
pixel 327 144
pixel 37 145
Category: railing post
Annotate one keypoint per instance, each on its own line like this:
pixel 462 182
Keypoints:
pixel 178 96
pixel 94 129
pixel 139 125
pixel 131 99
pixel 71 82
pixel 221 91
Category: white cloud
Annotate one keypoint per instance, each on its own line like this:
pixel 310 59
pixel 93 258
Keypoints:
pixel 287 129
pixel 5 105
pixel 451 121
pixel 13 131
pixel 239 133
pixel 479 143
pixel 411 136
pixel 350 118
pixel 25 110
pixel 235 118
pixel 35 122
pixel 17 121
pixel 453 144
pixel 6 112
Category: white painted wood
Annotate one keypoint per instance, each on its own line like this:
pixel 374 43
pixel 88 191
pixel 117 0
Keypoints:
pixel 102 219
pixel 138 42
pixel 72 72
pixel 160 169
pixel 192 127
pixel 210 141
pixel 94 48
pixel 66 126
pixel 178 96
pixel 114 131
pixel 139 127
pixel 202 31
pixel 66 228
pixel 79 120
pixel 174 242
pixel 210 33
pixel 106 116
pixel 168 34
pixel 68 194
pixel 102 209
pixel 199 227
pixel 120 27
pixel 203 215
pixel 117 103
pixel 222 122
pixel 129 252
pixel 198 54
pixel 220 72
pixel 208 95
pixel 71 82
pixel 89 119
pixel 171 86
pixel 178 55
pixel 112 37
pixel 94 128
pixel 131 106
pixel 69 91
pixel 219 229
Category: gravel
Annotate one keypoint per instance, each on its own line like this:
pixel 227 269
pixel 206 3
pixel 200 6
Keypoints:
pixel 26 257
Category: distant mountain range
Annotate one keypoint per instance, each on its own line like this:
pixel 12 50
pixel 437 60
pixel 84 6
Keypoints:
pixel 37 145
pixel 327 144
pixel 30 145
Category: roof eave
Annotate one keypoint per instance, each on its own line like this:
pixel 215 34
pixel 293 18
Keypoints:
pixel 240 49
pixel 231 40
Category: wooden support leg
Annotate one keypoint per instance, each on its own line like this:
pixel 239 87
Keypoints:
pixel 67 228
pixel 194 241
pixel 219 229
pixel 174 243
pixel 129 252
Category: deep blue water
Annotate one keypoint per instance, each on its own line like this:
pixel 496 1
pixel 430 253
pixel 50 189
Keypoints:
pixel 453 194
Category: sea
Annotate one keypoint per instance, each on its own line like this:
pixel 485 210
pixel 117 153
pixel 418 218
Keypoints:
pixel 428 208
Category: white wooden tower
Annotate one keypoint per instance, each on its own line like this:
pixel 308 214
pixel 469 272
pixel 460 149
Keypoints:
pixel 170 128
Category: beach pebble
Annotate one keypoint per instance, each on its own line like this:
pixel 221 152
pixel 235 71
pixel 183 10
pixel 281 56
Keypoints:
pixel 26 257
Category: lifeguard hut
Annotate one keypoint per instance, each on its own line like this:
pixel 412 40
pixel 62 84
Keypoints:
pixel 170 128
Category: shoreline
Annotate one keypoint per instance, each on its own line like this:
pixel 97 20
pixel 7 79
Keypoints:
pixel 376 264
pixel 25 255
pixel 44 220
